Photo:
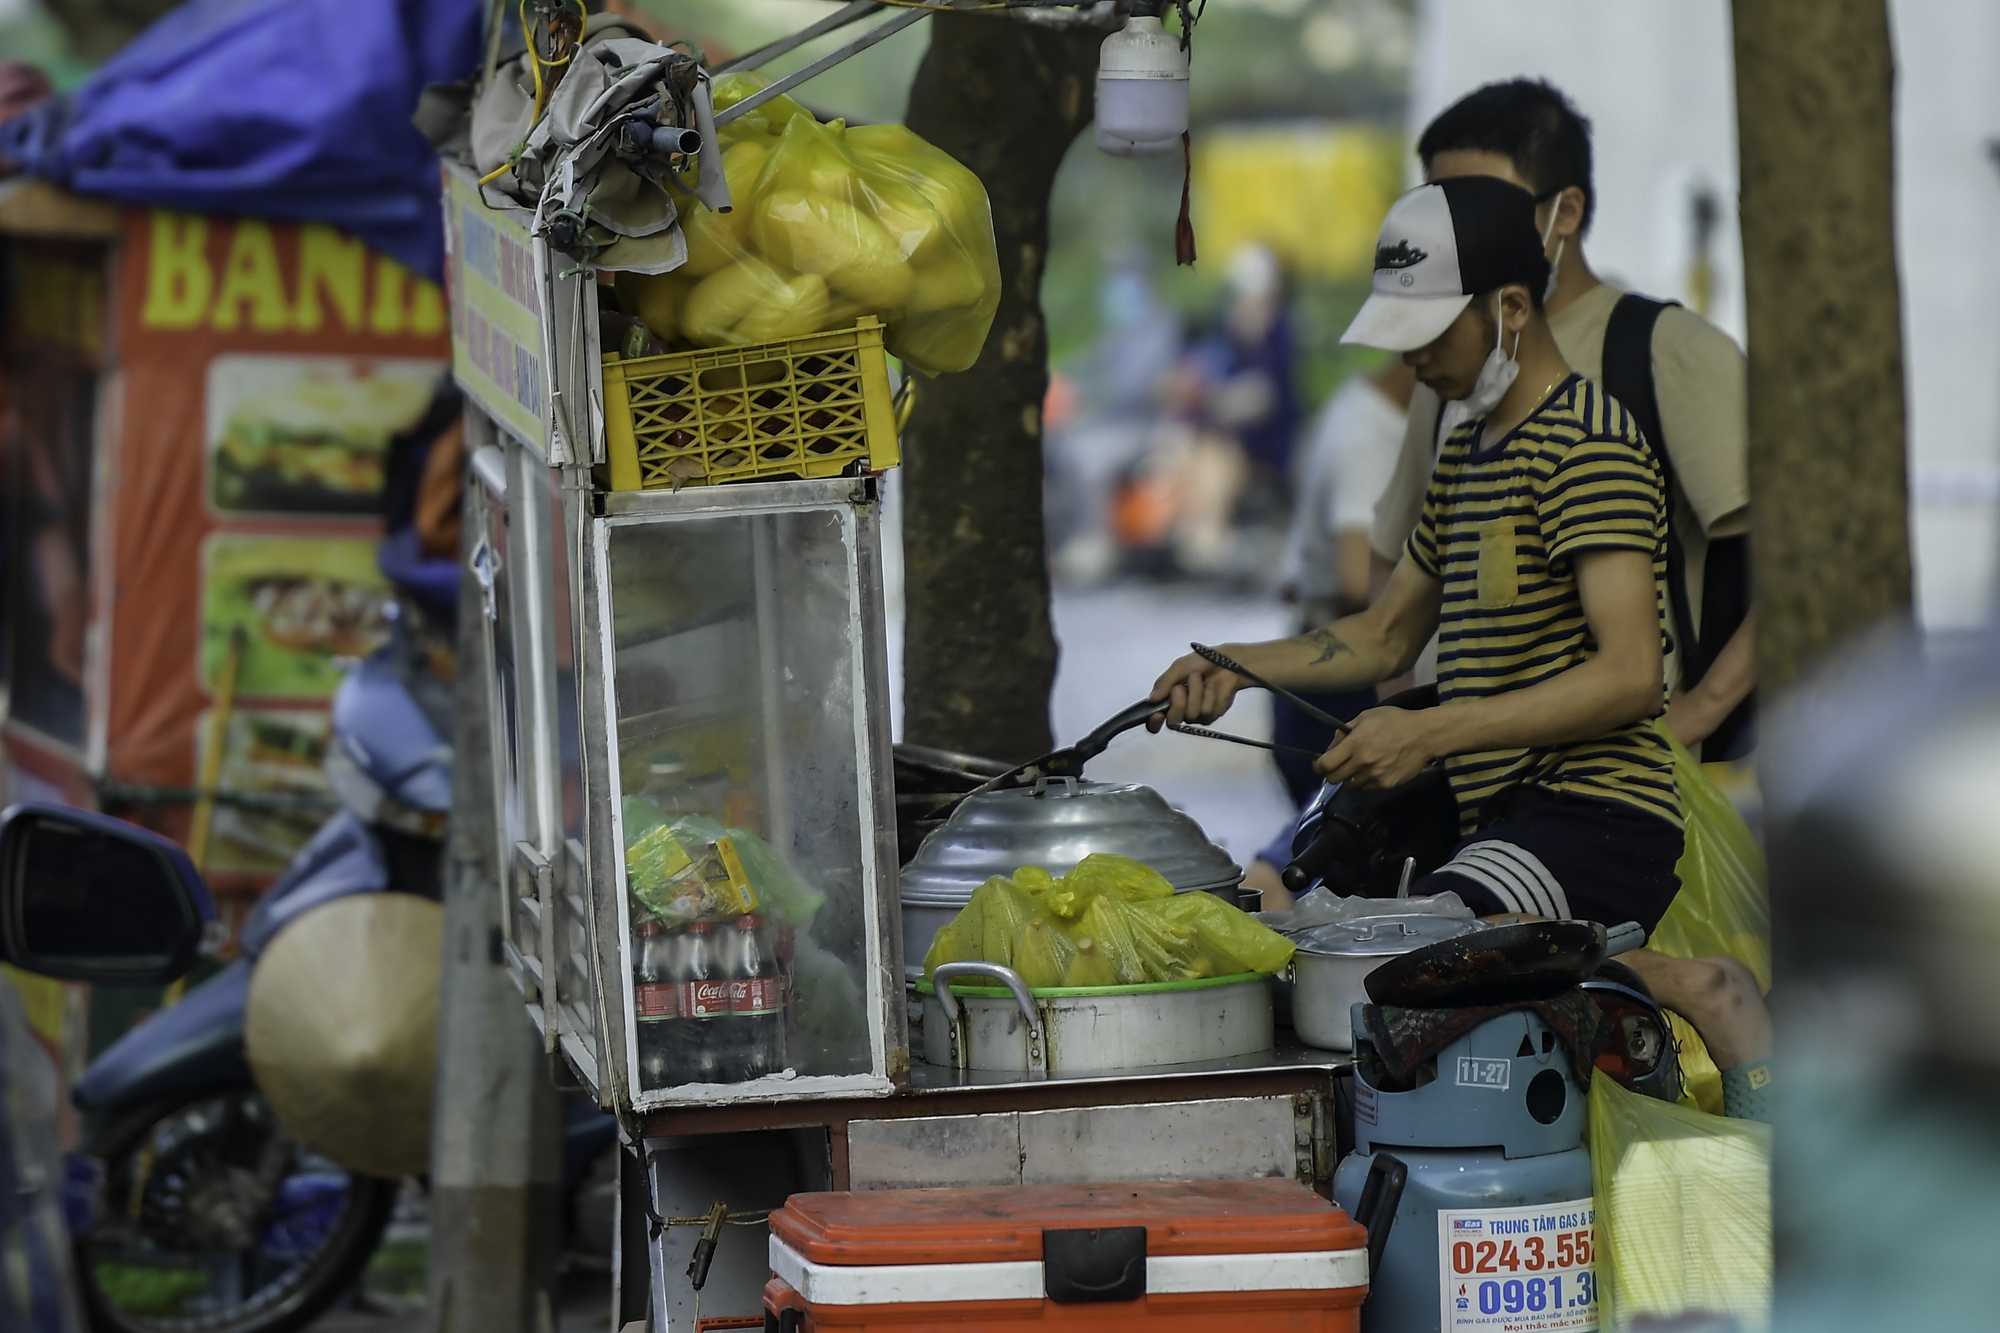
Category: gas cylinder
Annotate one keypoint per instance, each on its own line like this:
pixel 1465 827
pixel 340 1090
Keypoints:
pixel 1496 1223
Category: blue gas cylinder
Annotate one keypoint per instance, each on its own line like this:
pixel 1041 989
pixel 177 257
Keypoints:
pixel 1496 1223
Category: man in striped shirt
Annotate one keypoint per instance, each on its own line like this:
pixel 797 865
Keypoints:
pixel 1538 561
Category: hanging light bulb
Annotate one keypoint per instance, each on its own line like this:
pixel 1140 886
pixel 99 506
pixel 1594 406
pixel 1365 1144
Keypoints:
pixel 1142 87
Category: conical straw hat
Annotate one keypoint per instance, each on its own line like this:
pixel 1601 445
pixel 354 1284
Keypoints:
pixel 342 1029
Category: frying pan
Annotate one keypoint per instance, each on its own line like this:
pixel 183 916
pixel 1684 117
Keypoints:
pixel 1535 960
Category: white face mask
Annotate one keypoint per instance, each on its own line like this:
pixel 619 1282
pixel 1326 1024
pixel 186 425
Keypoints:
pixel 1549 292
pixel 1495 378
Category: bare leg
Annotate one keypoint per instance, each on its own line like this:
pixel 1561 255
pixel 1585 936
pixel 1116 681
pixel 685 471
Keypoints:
pixel 1717 995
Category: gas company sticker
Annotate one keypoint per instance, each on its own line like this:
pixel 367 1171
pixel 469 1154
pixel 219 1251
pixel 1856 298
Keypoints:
pixel 1519 1270
pixel 1474 1072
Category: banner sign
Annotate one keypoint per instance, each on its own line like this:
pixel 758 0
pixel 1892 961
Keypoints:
pixel 496 311
pixel 262 370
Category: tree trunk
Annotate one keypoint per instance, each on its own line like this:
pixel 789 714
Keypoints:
pixel 979 657
pixel 1814 85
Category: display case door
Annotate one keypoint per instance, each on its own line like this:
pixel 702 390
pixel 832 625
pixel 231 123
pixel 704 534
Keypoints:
pixel 522 560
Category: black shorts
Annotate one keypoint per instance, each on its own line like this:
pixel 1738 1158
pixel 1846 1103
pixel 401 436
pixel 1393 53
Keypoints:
pixel 1549 853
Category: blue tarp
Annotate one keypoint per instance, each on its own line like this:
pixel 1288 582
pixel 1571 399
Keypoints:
pixel 284 109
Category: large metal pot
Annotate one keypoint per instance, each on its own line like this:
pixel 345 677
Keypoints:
pixel 1326 972
pixel 1002 1026
pixel 1054 824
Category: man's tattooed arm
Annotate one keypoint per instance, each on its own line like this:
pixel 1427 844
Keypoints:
pixel 1330 646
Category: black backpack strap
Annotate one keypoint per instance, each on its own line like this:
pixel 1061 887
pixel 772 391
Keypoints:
pixel 1628 377
pixel 1725 584
pixel 1725 601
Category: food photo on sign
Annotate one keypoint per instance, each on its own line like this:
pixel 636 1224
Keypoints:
pixel 307 434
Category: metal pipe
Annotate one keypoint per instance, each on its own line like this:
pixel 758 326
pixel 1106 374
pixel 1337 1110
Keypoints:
pixel 826 62
pixel 770 51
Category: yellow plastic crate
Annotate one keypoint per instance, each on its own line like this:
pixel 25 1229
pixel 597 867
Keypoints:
pixel 806 407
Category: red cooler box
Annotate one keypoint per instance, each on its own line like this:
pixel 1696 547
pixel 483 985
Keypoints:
pixel 1253 1256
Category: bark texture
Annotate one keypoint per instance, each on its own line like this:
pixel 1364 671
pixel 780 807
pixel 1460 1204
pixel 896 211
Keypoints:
pixel 1814 89
pixel 979 658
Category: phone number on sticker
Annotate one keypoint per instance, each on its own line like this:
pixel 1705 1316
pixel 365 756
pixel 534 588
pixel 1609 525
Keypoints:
pixel 1568 1249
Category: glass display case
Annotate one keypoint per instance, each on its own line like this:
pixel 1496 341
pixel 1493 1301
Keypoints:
pixel 690 758
pixel 745 779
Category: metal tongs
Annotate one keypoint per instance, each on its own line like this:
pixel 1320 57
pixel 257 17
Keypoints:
pixel 1228 663
pixel 1070 759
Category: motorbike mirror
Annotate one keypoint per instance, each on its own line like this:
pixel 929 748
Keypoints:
pixel 85 897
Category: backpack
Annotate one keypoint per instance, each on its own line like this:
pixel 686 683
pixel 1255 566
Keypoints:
pixel 1725 580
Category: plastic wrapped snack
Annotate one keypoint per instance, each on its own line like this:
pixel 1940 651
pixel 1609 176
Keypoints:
pixel 680 878
pixel 695 869
pixel 829 224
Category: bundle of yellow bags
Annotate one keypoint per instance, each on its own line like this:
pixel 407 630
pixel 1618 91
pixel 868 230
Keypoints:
pixel 828 223
pixel 1110 922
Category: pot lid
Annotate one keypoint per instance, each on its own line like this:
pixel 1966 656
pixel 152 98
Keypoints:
pixel 1381 936
pixel 1055 824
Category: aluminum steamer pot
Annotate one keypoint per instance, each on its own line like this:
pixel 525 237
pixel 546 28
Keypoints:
pixel 1327 971
pixel 1003 1027
pixel 1054 824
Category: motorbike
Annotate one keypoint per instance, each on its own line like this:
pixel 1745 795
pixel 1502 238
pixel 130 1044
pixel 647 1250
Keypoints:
pixel 211 1214
pixel 82 898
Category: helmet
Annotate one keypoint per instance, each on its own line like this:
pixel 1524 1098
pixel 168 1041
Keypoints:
pixel 1640 1054
pixel 387 760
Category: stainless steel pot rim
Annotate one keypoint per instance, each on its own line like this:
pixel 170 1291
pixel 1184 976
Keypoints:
pixel 1383 946
pixel 922 899
pixel 924 987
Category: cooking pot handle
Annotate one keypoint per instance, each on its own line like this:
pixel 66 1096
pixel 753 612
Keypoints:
pixel 947 973
pixel 1042 786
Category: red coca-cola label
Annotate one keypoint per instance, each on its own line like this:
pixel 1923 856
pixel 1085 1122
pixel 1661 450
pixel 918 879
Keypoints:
pixel 657 999
pixel 756 995
pixel 705 999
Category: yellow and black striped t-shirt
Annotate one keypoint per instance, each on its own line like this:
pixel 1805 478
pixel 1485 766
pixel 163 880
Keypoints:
pixel 1499 528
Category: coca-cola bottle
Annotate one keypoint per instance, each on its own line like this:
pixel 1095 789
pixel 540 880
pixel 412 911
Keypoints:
pixel 655 1003
pixel 756 1002
pixel 704 975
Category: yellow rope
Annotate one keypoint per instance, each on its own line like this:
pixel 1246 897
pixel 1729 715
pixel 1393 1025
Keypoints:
pixel 535 60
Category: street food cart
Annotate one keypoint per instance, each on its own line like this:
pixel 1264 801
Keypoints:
pixel 670 650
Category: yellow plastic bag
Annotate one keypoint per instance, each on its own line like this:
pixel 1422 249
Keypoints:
pixel 985 929
pixel 1724 906
pixel 828 224
pixel 1110 921
pixel 1701 1081
pixel 1043 953
pixel 1232 941
pixel 1107 953
pixel 1103 872
pixel 1683 1210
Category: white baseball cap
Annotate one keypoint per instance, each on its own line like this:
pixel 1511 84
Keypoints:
pixel 1441 245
